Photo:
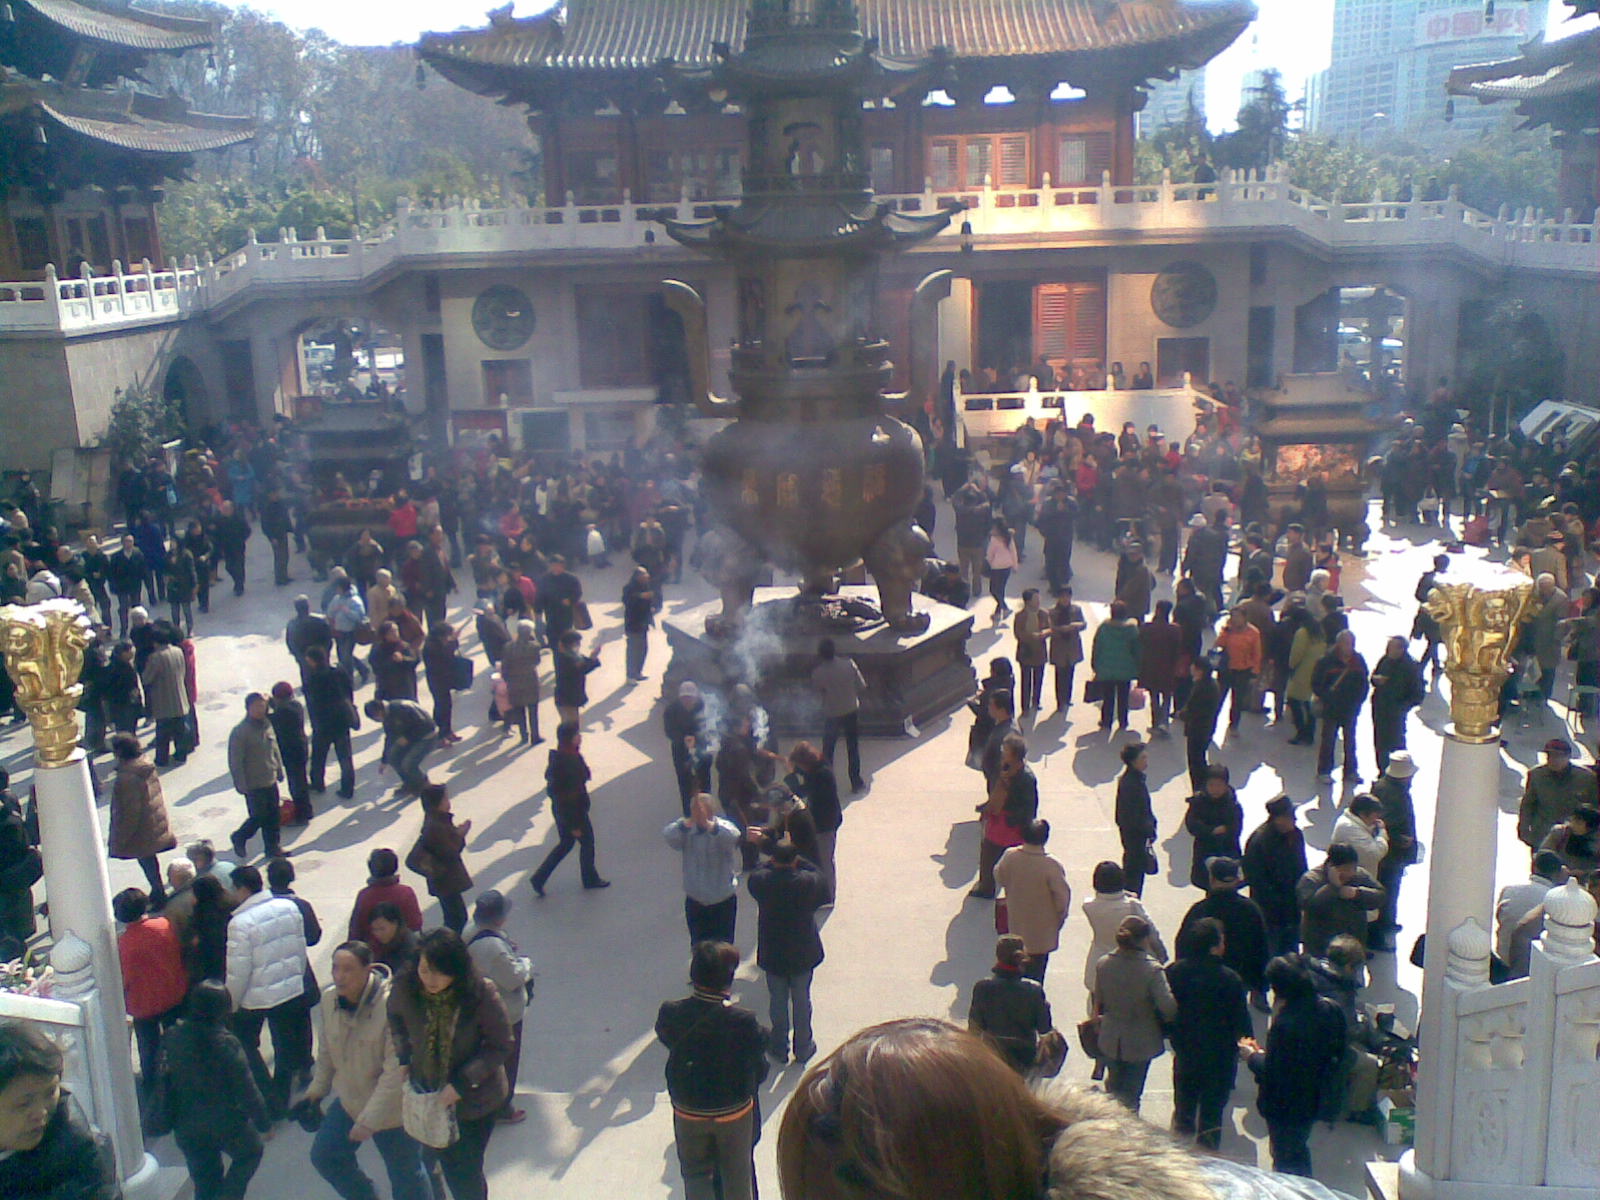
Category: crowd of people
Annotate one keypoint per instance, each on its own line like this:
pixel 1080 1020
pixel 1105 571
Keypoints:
pixel 414 1042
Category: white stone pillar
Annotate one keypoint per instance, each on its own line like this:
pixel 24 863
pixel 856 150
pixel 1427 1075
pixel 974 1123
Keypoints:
pixel 1460 887
pixel 79 891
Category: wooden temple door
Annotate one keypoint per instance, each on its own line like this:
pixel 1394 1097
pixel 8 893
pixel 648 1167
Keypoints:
pixel 1069 329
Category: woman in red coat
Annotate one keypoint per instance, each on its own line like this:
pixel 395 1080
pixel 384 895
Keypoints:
pixel 1161 662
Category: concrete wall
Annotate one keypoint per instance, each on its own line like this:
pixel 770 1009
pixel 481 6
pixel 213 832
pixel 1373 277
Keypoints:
pixel 58 392
pixel 35 402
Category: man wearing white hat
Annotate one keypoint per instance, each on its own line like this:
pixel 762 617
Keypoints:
pixel 1393 789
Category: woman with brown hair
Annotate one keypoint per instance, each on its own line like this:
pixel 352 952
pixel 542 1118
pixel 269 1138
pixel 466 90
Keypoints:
pixel 1133 1000
pixel 452 1037
pixel 437 855
pixel 917 1108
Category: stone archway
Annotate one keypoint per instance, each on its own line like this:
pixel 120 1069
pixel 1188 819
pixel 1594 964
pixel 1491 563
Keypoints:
pixel 185 387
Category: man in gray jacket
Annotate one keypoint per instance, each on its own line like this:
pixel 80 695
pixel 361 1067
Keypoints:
pixel 497 960
pixel 167 696
pixel 256 768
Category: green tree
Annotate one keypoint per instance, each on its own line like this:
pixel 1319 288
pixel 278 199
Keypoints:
pixel 1175 147
pixel 1508 357
pixel 1263 133
pixel 140 421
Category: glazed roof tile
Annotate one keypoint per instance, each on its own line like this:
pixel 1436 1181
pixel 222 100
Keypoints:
pixel 1543 71
pixel 623 35
pixel 137 121
pixel 124 25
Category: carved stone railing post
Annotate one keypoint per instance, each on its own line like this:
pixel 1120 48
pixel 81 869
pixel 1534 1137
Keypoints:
pixel 43 646
pixel 1480 630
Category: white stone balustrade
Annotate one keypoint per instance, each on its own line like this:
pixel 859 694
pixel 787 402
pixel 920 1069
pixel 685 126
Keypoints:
pixel 1053 214
pixel 1521 1058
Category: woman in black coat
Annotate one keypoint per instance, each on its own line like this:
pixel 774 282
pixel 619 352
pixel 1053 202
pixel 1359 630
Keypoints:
pixel 205 951
pixel 64 1159
pixel 217 1109
pixel 1010 1009
pixel 1215 820
pixel 1135 815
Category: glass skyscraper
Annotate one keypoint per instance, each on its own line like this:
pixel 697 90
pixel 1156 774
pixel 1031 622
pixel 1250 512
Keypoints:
pixel 1391 58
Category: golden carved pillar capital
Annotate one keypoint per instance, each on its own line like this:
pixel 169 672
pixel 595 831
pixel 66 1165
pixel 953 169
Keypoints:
pixel 43 645
pixel 1481 629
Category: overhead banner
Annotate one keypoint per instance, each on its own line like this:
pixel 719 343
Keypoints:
pixel 1463 23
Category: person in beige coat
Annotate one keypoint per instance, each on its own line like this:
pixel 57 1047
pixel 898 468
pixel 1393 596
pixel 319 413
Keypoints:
pixel 1036 896
pixel 139 827
pixel 358 1066
pixel 1134 1002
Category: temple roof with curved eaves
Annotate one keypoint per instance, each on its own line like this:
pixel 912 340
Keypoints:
pixel 517 58
pixel 122 24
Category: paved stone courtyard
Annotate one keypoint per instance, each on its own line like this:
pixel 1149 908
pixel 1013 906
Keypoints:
pixel 902 940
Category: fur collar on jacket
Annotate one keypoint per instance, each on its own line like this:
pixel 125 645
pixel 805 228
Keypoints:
pixel 1107 1153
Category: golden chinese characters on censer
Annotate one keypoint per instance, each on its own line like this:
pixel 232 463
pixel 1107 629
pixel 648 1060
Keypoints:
pixel 43 646
pixel 1481 630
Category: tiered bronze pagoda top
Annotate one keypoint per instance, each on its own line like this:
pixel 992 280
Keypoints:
pixel 596 49
pixel 62 120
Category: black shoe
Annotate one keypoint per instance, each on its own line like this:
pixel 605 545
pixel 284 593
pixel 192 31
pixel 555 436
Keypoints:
pixel 319 788
pixel 597 884
pixel 347 795
pixel 805 1055
pixel 538 888
pixel 239 844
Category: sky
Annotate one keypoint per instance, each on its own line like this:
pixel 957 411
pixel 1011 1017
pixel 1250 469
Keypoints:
pixel 1291 35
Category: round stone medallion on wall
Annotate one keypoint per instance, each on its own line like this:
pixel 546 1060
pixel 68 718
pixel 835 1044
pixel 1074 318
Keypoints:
pixel 502 317
pixel 1184 294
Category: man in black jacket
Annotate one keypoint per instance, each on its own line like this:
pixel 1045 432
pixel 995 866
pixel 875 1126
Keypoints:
pixel 127 571
pixel 229 536
pixel 1396 690
pixel 1305 1045
pixel 714 1067
pixel 567 778
pixel 305 630
pixel 974 508
pixel 1205 555
pixel 330 705
pixel 788 892
pixel 1393 789
pixel 1274 862
pixel 684 723
pixel 288 719
pixel 1199 717
pixel 276 525
pixel 409 736
pixel 1245 932
pixel 1212 1017
pixel 1340 682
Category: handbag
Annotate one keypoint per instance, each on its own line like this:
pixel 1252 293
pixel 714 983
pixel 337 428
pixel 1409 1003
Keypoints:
pixel 1137 699
pixel 419 861
pixel 1093 691
pixel 1089 1037
pixel 366 635
pixel 427 1119
pixel 286 811
pixel 1002 916
pixel 1051 1055
pixel 461 673
pixel 581 618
